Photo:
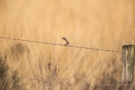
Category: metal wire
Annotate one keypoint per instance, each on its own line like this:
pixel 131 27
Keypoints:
pixel 15 39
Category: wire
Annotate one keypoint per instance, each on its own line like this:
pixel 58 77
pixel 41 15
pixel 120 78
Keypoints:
pixel 15 39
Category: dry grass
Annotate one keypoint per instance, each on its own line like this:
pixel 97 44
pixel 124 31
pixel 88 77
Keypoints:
pixel 91 23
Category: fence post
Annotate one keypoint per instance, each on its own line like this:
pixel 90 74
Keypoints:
pixel 128 57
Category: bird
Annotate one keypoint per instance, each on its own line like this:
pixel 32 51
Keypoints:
pixel 66 43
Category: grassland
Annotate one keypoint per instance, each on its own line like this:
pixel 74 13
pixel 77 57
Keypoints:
pixel 106 24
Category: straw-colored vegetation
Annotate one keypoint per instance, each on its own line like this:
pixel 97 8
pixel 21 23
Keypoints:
pixel 106 24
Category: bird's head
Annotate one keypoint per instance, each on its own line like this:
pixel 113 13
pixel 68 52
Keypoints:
pixel 63 38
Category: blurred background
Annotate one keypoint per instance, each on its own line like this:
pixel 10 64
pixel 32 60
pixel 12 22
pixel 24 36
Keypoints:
pixel 106 24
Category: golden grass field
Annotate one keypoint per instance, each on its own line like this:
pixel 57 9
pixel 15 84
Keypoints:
pixel 105 24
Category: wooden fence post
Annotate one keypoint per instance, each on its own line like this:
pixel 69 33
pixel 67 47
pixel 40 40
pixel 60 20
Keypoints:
pixel 128 57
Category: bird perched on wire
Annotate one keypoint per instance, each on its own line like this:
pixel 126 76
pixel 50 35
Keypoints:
pixel 66 43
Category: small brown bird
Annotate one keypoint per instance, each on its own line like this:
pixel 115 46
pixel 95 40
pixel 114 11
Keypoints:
pixel 65 41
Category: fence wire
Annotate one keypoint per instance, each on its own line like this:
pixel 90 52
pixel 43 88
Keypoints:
pixel 15 39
